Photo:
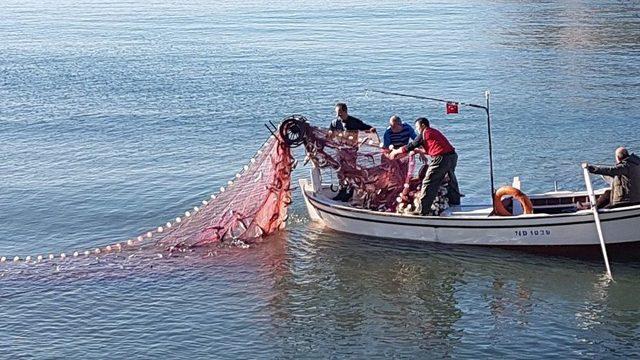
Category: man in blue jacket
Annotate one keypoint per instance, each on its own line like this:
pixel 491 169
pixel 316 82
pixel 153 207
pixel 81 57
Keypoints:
pixel 397 134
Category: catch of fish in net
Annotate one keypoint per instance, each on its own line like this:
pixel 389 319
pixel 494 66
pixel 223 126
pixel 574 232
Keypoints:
pixel 254 204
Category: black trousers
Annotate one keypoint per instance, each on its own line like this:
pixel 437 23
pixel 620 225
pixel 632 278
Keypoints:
pixel 439 167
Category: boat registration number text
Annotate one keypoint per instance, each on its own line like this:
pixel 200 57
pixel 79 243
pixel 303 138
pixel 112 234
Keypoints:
pixel 543 232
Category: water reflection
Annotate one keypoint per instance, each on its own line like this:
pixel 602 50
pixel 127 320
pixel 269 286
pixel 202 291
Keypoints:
pixel 609 314
pixel 364 297
pixel 510 301
pixel 339 294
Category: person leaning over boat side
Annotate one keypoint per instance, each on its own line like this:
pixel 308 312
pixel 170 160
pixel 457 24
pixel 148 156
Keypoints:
pixel 346 122
pixel 397 134
pixel 444 161
pixel 625 189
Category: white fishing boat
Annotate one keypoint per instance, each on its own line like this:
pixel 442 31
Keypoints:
pixel 555 221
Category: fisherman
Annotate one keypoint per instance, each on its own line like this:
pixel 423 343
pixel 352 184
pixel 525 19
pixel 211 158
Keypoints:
pixel 625 189
pixel 397 134
pixel 443 162
pixel 346 122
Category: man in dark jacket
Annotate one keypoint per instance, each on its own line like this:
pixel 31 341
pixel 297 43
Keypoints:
pixel 625 189
pixel 346 122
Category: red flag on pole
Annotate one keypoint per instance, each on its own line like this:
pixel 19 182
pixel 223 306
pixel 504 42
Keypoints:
pixel 452 108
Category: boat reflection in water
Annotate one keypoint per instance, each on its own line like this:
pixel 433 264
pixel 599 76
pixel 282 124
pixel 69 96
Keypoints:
pixel 345 294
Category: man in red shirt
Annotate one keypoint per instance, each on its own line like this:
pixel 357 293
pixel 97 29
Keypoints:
pixel 443 161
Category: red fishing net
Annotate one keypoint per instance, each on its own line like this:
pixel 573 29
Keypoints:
pixel 377 182
pixel 360 165
pixel 253 205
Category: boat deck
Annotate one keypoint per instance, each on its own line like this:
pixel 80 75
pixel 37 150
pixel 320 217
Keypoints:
pixel 556 202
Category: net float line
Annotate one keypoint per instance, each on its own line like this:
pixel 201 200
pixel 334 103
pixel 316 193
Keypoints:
pixel 251 205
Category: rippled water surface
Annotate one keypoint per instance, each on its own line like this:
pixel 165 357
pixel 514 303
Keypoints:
pixel 117 116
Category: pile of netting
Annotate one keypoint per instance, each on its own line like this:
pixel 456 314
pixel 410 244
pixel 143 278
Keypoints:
pixel 376 181
pixel 253 205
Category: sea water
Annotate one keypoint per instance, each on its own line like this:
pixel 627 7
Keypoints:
pixel 117 116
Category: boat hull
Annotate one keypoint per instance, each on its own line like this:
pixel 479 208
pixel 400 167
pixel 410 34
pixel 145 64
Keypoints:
pixel 620 226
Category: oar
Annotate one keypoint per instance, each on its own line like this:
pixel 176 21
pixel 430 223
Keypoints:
pixel 596 216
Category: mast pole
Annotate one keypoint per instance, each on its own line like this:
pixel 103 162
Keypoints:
pixel 487 95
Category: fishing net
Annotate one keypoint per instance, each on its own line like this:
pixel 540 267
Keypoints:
pixel 361 166
pixel 251 206
pixel 254 204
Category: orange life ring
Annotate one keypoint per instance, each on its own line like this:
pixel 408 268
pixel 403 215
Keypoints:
pixel 516 194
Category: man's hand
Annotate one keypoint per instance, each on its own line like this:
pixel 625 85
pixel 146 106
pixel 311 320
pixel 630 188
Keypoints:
pixel 590 168
pixel 394 153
